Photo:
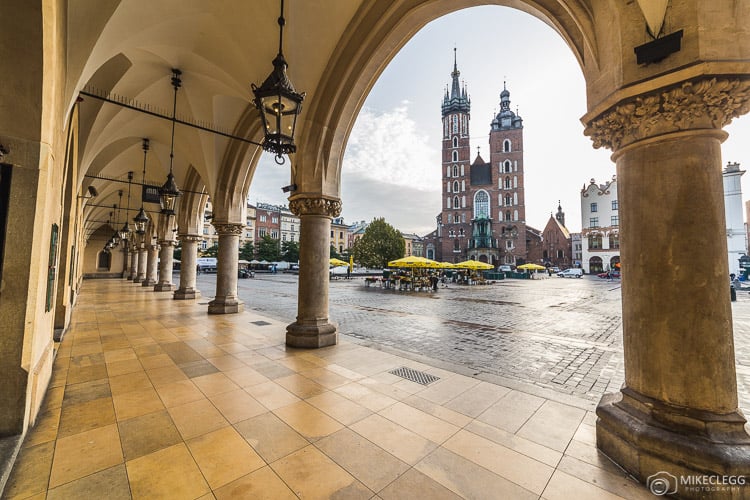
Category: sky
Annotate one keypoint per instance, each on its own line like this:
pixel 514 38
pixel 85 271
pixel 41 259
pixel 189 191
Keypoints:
pixel 392 164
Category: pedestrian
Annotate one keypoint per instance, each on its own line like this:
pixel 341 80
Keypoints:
pixel 198 269
pixel 348 272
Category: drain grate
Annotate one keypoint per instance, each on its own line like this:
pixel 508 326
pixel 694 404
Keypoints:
pixel 260 323
pixel 414 375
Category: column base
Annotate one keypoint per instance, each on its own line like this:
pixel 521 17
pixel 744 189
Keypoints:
pixel 130 278
pixel 163 287
pixel 311 335
pixel 675 450
pixel 137 280
pixel 148 282
pixel 222 305
pixel 186 294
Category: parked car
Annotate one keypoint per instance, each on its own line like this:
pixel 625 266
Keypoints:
pixel 555 269
pixel 609 274
pixel 505 269
pixel 571 273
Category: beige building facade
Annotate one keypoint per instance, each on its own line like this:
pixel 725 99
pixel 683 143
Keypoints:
pixel 68 64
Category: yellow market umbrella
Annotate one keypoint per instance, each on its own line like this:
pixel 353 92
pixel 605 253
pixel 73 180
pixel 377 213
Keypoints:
pixel 447 265
pixel 412 261
pixel 337 262
pixel 531 267
pixel 474 265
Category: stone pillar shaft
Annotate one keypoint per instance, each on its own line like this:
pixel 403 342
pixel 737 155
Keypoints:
pixel 133 263
pixel 226 300
pixel 142 265
pixel 313 328
pixel 151 266
pixel 166 262
pixel 187 289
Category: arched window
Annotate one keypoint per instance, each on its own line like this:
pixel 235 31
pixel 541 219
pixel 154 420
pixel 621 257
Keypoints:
pixel 456 246
pixel 506 166
pixel 430 253
pixel 481 205
pixel 508 200
pixel 595 265
pixel 507 183
pixel 506 146
pixel 455 142
pixel 455 186
pixel 454 156
pixel 104 260
pixel 507 215
pixel 456 203
pixel 515 214
pixel 455 124
pixel 456 219
pixel 455 169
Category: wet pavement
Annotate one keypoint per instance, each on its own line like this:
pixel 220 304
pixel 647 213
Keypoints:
pixel 561 335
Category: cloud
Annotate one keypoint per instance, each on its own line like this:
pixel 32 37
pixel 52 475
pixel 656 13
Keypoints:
pixel 387 147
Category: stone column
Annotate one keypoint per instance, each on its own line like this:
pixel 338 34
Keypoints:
pixel 152 265
pixel 226 300
pixel 677 411
pixel 125 260
pixel 313 328
pixel 166 262
pixel 187 288
pixel 133 262
pixel 142 262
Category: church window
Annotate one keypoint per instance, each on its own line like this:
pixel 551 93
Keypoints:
pixel 454 156
pixel 461 232
pixel 447 203
pixel 449 187
pixel 515 198
pixel 509 244
pixel 463 202
pixel 463 186
pixel 506 166
pixel 455 142
pixel 508 200
pixel 481 205
pixel 515 182
pixel 462 170
pixel 506 146
pixel 455 170
pixel 456 246
pixel 463 218
pixel 456 219
pixel 499 200
pixel 507 183
pixel 515 214
pixel 507 215
pixel 448 171
pixel 455 186
pixel 455 124
pixel 456 203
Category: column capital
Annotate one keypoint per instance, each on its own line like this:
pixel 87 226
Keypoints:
pixel 703 103
pixel 228 228
pixel 320 205
pixel 167 243
pixel 189 237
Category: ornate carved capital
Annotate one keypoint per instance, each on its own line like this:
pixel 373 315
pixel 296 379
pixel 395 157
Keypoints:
pixel 235 229
pixel 710 103
pixel 330 207
pixel 189 237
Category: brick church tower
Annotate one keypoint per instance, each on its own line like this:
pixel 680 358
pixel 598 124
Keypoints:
pixel 483 214
pixel 454 221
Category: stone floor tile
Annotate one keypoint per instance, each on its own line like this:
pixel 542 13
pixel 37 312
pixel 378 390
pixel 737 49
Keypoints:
pixel 364 396
pixel 84 453
pixel 300 386
pixel 516 443
pixel 477 399
pixel 86 391
pixel 45 428
pixel 526 472
pixel 246 377
pixel 147 433
pixel 215 383
pixel 591 455
pixel 263 484
pixel 226 363
pixel 310 422
pixel 300 469
pixel 82 417
pixel 129 382
pixel 419 422
pixel 415 485
pixel 196 418
pixel 224 456
pixel 271 395
pixel 370 464
pixel 124 367
pixel 111 484
pixel 31 472
pixel 271 369
pixel 195 369
pixel 467 479
pixel 396 440
pixel 618 482
pixel 444 390
pixel 270 436
pixel 325 377
pixel 76 375
pixel 553 425
pixel 167 473
pixel 237 405
pixel 563 486
pixel 125 354
pixel 297 363
pixel 178 393
pixel 342 409
pixel 511 411
pixel 165 375
pixel 439 411
pixel 136 403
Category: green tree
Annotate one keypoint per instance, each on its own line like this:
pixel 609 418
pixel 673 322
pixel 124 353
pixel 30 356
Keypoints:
pixel 177 253
pixel 247 251
pixel 333 253
pixel 269 249
pixel 211 251
pixel 380 243
pixel 290 251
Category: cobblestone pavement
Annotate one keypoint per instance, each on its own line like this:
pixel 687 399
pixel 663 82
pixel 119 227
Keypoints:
pixel 559 334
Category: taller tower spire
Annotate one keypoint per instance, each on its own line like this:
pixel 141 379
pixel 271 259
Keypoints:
pixel 458 99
